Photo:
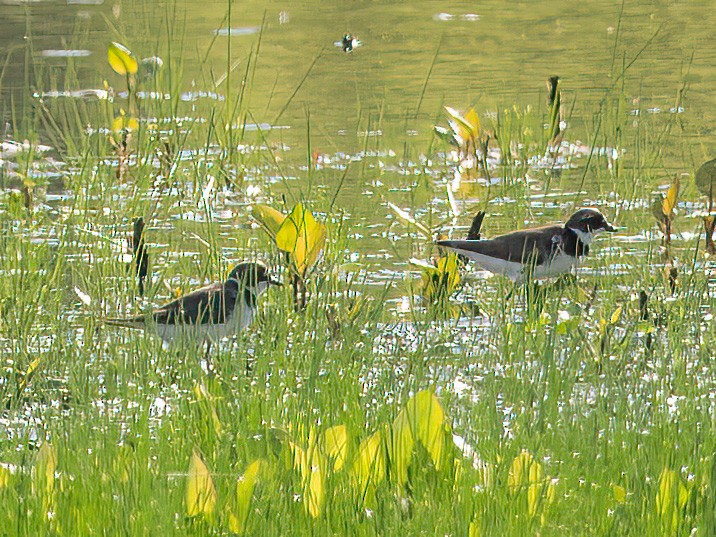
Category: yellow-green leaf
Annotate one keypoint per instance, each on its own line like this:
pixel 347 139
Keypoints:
pixel 409 221
pixel 45 464
pixel 314 488
pixel 200 491
pixel 473 120
pixel 335 445
pixel 269 218
pixel 427 422
pixel 526 473
pixel 6 472
pixel 669 202
pixel 124 123
pixel 121 59
pixel 244 495
pixel 616 316
pixel 620 493
pixel 369 466
pixel 402 443
pixel 474 529
pixel 302 237
pixel 671 498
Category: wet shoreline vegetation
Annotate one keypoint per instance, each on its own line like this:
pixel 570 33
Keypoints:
pixel 415 397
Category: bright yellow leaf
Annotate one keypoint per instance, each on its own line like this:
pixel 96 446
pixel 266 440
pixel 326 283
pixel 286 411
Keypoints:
pixel 427 422
pixel 401 448
pixel 124 123
pixel 671 498
pixel 369 466
pixel 269 218
pixel 121 59
pixel 474 529
pixel 616 316
pixel 244 495
pixel 473 120
pixel 335 445
pixel 314 488
pixel 200 491
pixel 669 202
pixel 302 237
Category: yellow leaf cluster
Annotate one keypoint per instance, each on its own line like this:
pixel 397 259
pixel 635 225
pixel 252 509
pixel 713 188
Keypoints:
pixel 299 234
pixel 441 280
pixel 526 473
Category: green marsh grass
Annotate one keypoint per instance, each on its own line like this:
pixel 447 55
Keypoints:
pixel 615 412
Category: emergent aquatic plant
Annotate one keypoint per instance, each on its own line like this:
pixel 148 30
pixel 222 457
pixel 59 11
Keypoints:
pixel 466 135
pixel 300 236
pixel 705 179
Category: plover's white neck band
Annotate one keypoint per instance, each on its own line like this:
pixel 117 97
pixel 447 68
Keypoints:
pixel 584 236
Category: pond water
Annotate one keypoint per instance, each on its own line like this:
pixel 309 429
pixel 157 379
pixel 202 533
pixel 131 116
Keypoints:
pixel 316 122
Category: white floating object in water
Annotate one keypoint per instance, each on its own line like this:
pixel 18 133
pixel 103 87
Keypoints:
pixel 52 53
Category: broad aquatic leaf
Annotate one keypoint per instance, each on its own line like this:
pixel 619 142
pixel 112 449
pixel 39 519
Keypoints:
pixel 401 448
pixel 620 493
pixel 244 495
pixel 409 221
pixel 44 471
pixel 669 202
pixel 427 421
pixel 671 498
pixel 472 119
pixel 200 491
pixel 269 218
pixel 311 464
pixel 335 445
pixel 706 179
pixel 526 473
pixel 121 59
pixel 314 487
pixel 302 237
pixel 369 465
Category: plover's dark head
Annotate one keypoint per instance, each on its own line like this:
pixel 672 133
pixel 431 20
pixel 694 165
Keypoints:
pixel 588 222
pixel 253 275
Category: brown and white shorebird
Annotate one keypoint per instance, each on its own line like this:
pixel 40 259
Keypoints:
pixel 541 252
pixel 210 313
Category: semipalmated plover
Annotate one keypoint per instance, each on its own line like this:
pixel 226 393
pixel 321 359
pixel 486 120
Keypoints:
pixel 542 252
pixel 211 313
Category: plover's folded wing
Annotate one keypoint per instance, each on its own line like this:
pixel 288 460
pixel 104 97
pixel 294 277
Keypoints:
pixel 516 252
pixel 205 305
